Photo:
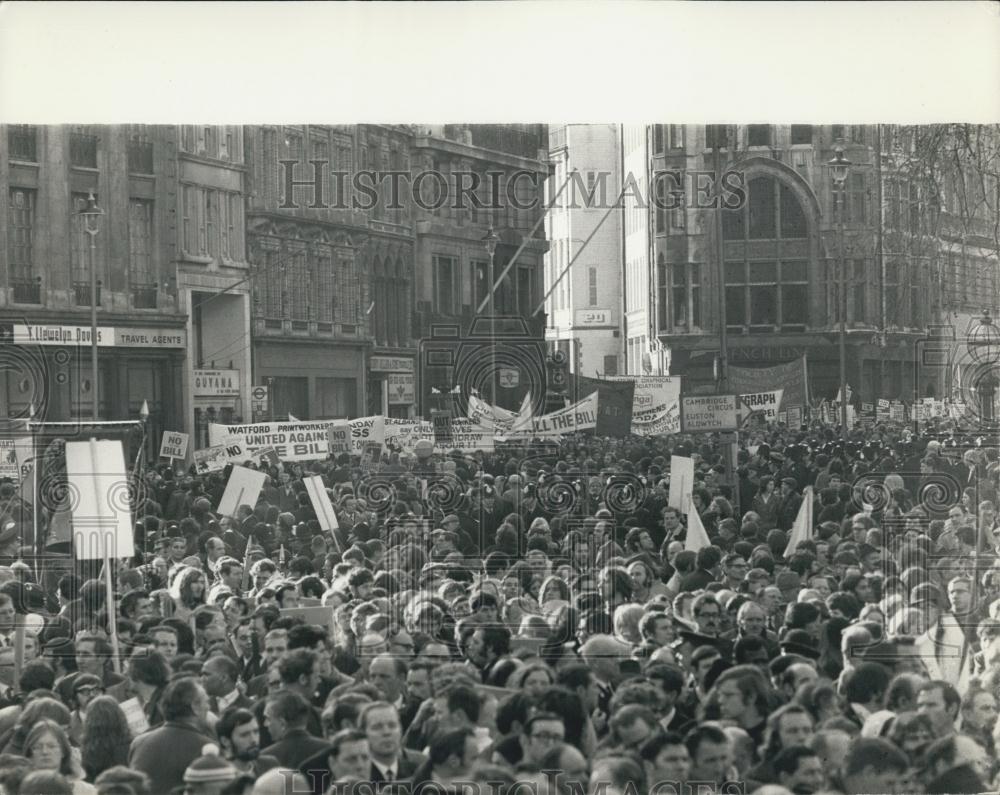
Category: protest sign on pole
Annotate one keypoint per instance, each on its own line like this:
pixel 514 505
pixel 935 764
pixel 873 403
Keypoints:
pixel 794 416
pixel 243 488
pixel 321 504
pixel 802 528
pixel 338 437
pixel 102 511
pixel 762 404
pixel 681 482
pixel 174 445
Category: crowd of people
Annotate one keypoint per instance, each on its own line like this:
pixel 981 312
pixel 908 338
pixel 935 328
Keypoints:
pixel 530 616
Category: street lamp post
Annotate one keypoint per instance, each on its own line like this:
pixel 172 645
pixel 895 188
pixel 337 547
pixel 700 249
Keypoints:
pixel 91 215
pixel 490 242
pixel 839 167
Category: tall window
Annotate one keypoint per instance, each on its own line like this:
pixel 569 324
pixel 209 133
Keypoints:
pixel 802 134
pixel 79 251
pixel 140 247
pixel 21 235
pixel 758 135
pixel 676 136
pixel 296 147
pixel 592 286
pixel 858 289
pixel 662 323
pixel 22 142
pixel 348 282
pixel 525 290
pixel 445 302
pixel 772 210
pixel 83 148
pixel 189 220
pixel 764 295
pixel 858 199
pixel 323 283
pixel 679 286
pixel 657 139
pixel 139 151
pixel 661 212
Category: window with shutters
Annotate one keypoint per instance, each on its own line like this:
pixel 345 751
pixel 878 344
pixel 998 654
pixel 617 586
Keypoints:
pixel 209 241
pixel 592 286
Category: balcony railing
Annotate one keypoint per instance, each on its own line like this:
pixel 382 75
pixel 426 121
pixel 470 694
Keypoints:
pixel 81 293
pixel 83 150
pixel 27 291
pixel 22 142
pixel 140 157
pixel 143 296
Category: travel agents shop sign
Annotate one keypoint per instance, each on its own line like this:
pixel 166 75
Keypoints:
pixel 108 337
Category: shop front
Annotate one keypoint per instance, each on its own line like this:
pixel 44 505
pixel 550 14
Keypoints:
pixel 391 386
pixel 217 399
pixel 49 366
pixel 311 380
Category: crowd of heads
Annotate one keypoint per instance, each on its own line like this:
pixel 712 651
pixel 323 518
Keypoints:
pixel 539 614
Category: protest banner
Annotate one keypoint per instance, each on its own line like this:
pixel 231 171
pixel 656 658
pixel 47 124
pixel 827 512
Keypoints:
pixel 709 413
pixel 292 441
pixel 365 430
pixel 580 416
pixel 468 436
pixel 655 404
pixel 243 488
pixel 338 437
pixel 212 459
pixel 782 418
pixel 681 482
pixel 882 410
pixel 135 716
pixel 896 411
pixel 266 457
pixel 174 445
pixel 403 435
pixel 794 416
pixel 790 377
pixel 615 401
pixel 762 404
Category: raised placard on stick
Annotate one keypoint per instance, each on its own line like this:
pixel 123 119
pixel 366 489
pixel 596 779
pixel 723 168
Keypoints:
pixel 244 488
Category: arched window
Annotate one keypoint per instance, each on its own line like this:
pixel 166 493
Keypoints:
pixel 765 292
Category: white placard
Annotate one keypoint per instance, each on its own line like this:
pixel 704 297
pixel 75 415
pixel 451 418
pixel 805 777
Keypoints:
pixel 321 503
pixel 99 497
pixel 174 445
pixel 681 482
pixel 135 716
pixel 243 489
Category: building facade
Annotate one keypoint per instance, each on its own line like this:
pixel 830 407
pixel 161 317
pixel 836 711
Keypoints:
pixel 584 303
pixel 907 266
pixel 493 178
pixel 213 275
pixel 331 276
pixel 46 176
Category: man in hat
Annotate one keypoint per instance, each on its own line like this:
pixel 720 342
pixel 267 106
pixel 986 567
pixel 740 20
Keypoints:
pixel 209 774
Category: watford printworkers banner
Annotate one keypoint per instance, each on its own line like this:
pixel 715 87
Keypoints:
pixel 298 441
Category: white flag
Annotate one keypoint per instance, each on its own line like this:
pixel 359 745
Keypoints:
pixel 802 530
pixel 697 538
